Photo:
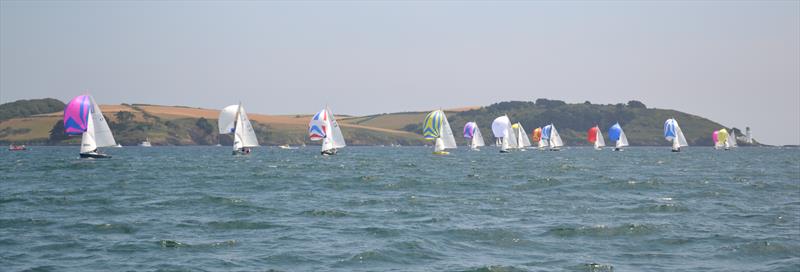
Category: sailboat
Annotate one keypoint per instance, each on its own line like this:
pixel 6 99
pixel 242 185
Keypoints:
pixel 536 136
pixel 616 134
pixel 146 143
pixel 438 129
pixel 83 116
pixel 522 136
pixel 724 140
pixel 550 134
pixel 323 126
pixel 473 133
pixel 731 143
pixel 503 134
pixel 715 138
pixel 673 133
pixel 233 119
pixel 595 137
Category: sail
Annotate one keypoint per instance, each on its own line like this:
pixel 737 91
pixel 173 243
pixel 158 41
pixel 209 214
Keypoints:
pixel 76 115
pixel 600 142
pixel 432 125
pixel 102 133
pixel 227 118
pixel 623 141
pixel 477 138
pixel 500 126
pixel 469 129
pixel 715 138
pixel 732 139
pixel 448 139
pixel 591 135
pixel 546 132
pixel 338 137
pixel 438 145
pixel 238 142
pixel 88 143
pixel 317 127
pixel 722 138
pixel 249 134
pixel 536 135
pixel 522 136
pixel 614 132
pixel 681 140
pixel 511 138
pixel 555 138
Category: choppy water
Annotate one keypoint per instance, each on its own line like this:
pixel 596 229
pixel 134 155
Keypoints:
pixel 401 209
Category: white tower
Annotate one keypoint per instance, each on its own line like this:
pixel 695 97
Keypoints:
pixel 749 136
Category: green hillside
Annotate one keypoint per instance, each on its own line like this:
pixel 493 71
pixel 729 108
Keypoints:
pixel 642 126
pixel 178 125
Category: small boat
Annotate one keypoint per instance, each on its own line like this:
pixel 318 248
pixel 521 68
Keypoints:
pixel 323 126
pixel 550 134
pixel 14 147
pixel 595 137
pixel 536 136
pixel 723 140
pixel 83 116
pixel 233 120
pixel 504 134
pixel 731 143
pixel 616 134
pixel 521 136
pixel 146 143
pixel 673 133
pixel 286 146
pixel 473 133
pixel 437 128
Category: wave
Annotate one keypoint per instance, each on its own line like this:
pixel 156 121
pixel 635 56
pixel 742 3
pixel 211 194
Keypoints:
pixel 494 268
pixel 325 213
pixel 177 244
pixel 603 230
pixel 242 225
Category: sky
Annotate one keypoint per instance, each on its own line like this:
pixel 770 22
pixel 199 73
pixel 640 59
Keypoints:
pixel 734 62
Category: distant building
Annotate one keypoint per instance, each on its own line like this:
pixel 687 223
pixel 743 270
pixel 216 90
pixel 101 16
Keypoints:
pixel 748 135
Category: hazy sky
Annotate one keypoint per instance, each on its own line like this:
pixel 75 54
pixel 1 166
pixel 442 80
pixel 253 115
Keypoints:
pixel 736 62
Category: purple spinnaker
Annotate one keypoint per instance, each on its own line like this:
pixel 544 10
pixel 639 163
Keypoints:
pixel 76 114
pixel 469 130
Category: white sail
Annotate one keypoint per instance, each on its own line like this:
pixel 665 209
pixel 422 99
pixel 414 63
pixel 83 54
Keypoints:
pixel 248 135
pixel 102 133
pixel 227 119
pixel 501 128
pixel 555 138
pixel 732 139
pixel 233 119
pixel 448 139
pixel 623 141
pixel 477 138
pixel 600 142
pixel 680 140
pixel 87 140
pixel 337 137
pixel 439 145
pixel 238 143
pixel 511 138
pixel 522 137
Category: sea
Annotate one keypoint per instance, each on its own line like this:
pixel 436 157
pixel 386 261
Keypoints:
pixel 400 209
